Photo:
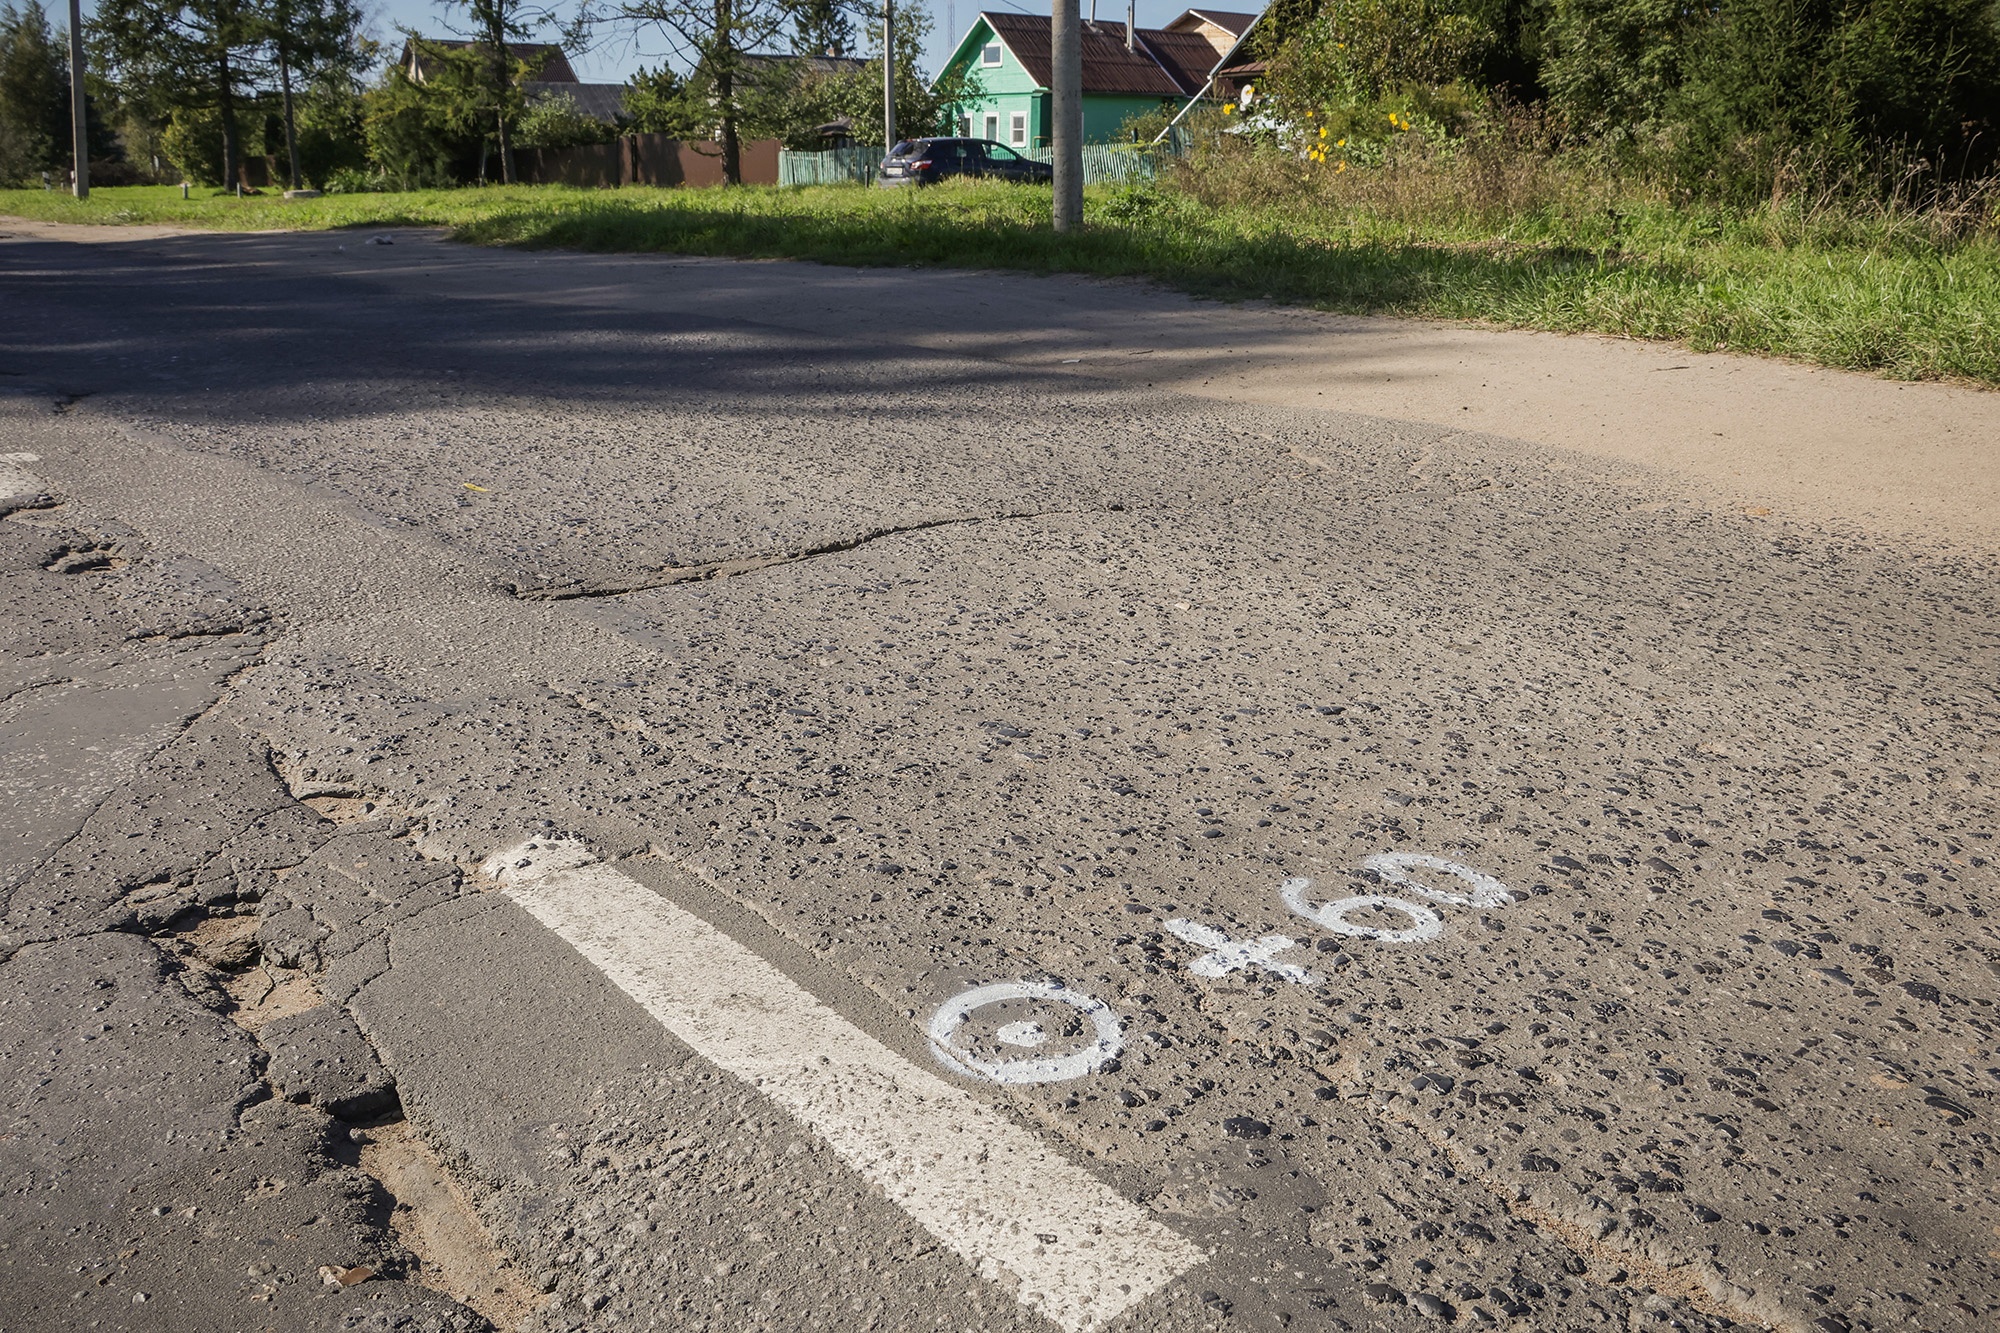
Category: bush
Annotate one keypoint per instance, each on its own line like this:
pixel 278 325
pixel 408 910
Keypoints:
pixel 192 142
pixel 556 121
pixel 353 180
pixel 1729 100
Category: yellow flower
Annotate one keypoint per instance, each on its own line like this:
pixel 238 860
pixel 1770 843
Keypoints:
pixel 1228 108
pixel 1340 166
pixel 1322 131
pixel 1341 144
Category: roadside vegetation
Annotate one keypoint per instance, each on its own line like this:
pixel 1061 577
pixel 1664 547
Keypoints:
pixel 1900 289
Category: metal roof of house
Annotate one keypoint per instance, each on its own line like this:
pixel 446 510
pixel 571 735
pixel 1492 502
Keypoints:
pixel 1108 68
pixel 816 64
pixel 1189 56
pixel 599 101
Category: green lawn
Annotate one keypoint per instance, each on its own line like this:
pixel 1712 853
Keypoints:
pixel 1836 291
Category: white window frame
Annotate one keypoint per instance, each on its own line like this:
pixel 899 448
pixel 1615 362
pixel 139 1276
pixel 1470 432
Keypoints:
pixel 990 56
pixel 993 125
pixel 1017 130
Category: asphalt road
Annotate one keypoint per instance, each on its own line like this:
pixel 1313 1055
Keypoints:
pixel 574 793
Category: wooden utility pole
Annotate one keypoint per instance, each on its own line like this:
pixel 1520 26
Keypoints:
pixel 888 75
pixel 78 109
pixel 1066 111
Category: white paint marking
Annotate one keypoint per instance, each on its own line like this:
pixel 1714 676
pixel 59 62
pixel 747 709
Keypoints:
pixel 1424 923
pixel 20 458
pixel 1234 955
pixel 1394 867
pixel 1023 1034
pixel 981 1184
pixel 1046 1069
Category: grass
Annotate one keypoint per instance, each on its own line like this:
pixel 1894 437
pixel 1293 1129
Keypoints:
pixel 1909 293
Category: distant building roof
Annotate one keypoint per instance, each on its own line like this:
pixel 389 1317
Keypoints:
pixel 545 60
pixel 1229 20
pixel 599 101
pixel 1108 68
pixel 812 64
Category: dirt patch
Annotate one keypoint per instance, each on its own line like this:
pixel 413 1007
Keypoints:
pixel 222 955
pixel 438 1224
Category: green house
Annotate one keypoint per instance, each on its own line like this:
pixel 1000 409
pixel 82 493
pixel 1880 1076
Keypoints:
pixel 1007 58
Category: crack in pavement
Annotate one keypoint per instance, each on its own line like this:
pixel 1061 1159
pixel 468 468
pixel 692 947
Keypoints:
pixel 722 569
pixel 14 938
pixel 30 686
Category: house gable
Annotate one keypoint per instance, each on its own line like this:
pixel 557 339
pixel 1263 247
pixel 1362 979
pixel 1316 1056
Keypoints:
pixel 1220 28
pixel 1011 75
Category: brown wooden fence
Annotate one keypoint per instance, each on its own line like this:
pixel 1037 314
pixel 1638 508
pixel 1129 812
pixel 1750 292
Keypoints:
pixel 645 159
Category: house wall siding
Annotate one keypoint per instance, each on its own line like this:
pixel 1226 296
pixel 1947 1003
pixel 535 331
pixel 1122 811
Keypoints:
pixel 1104 117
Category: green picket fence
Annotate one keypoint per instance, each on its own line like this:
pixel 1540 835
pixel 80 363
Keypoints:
pixel 833 167
pixel 1115 163
pixel 1103 163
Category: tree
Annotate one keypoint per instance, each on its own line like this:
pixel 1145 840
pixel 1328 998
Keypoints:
pixel 1355 52
pixel 180 59
pixel 713 37
pixel 493 25
pixel 319 38
pixel 431 125
pixel 423 134
pixel 820 28
pixel 34 93
pixel 659 101
pixel 921 105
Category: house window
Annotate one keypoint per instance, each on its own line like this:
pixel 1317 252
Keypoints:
pixel 992 124
pixel 1017 129
pixel 990 57
pixel 965 126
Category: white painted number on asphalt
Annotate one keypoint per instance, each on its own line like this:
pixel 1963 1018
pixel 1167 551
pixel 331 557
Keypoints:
pixel 952 1014
pixel 1395 867
pixel 1424 923
pixel 1227 955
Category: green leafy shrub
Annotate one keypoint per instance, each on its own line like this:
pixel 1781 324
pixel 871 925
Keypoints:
pixel 192 141
pixel 558 122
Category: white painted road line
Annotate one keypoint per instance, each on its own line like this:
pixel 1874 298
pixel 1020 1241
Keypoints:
pixel 988 1189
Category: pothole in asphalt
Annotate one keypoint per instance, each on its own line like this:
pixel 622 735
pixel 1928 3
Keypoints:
pixel 439 1225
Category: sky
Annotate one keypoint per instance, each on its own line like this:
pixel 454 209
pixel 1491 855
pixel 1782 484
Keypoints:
pixel 615 57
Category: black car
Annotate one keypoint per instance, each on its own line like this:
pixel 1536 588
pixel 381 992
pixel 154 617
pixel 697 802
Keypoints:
pixel 928 161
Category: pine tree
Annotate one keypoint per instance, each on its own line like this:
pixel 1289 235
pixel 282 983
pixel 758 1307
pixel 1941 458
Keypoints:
pixel 318 39
pixel 169 57
pixel 713 37
pixel 34 94
pixel 821 28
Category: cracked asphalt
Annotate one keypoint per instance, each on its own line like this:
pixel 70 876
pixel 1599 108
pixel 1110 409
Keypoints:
pixel 332 570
